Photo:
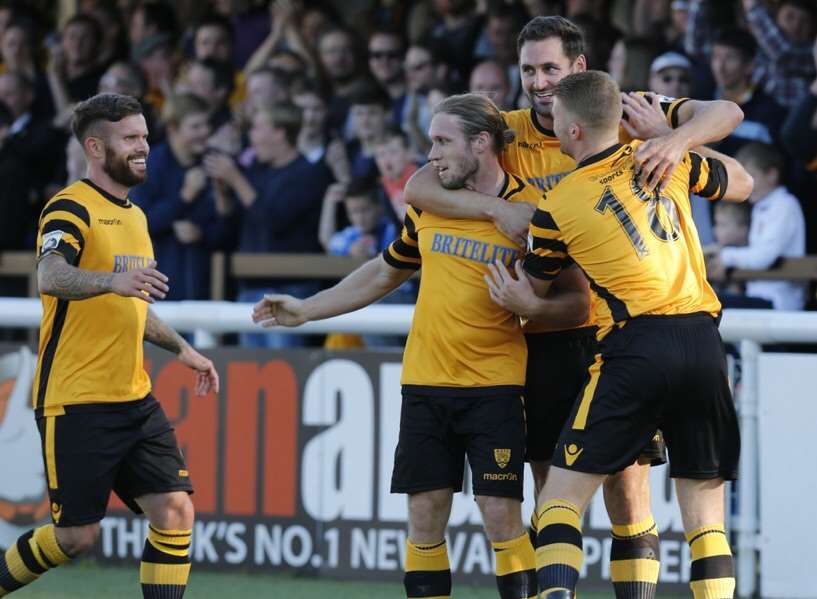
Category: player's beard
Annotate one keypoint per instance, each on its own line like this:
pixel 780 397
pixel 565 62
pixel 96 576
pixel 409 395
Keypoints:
pixel 118 169
pixel 466 168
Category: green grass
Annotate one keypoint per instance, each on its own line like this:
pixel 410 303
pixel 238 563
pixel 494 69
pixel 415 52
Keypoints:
pixel 89 581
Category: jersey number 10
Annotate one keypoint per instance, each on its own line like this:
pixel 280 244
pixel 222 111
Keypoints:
pixel 663 231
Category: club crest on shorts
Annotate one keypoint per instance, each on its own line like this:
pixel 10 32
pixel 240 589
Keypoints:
pixel 502 457
pixel 56 512
pixel 572 453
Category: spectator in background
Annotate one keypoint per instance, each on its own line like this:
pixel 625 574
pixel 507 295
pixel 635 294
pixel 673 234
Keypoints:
pixel 251 19
pixel 785 47
pixel 425 71
pixel 731 229
pixel 369 112
pixel 76 166
pixel 151 18
pixel 214 38
pixel 73 71
pixel 799 133
pixel 387 49
pixel 630 62
pixel 283 35
pixel 396 165
pixel 369 232
pixel 14 204
pixel 18 50
pixel 154 56
pixel 599 39
pixel 490 79
pixel 113 45
pixel 185 220
pixel 312 141
pixel 212 81
pixel 336 54
pixel 670 75
pixel 732 63
pixel 32 139
pixel 264 86
pixel 454 35
pixel 777 230
pixel 280 195
pixel 498 43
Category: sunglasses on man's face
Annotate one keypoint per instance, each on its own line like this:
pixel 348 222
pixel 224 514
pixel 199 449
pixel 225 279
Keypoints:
pixel 387 54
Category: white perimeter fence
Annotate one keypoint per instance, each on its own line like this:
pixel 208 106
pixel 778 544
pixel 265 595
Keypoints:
pixel 748 329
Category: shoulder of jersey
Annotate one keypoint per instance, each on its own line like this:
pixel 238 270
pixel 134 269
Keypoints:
pixel 517 119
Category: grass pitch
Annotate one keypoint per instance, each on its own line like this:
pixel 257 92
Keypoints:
pixel 87 580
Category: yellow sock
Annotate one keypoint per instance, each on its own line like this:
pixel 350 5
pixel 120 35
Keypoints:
pixel 30 557
pixel 515 568
pixel 428 573
pixel 712 574
pixel 165 564
pixel 559 546
pixel 634 560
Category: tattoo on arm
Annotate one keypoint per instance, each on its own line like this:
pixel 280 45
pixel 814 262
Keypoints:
pixel 60 279
pixel 161 335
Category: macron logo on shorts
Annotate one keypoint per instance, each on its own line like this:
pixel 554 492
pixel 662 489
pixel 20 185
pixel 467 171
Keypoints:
pixel 572 453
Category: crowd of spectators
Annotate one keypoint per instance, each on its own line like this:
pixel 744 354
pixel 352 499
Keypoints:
pixel 290 126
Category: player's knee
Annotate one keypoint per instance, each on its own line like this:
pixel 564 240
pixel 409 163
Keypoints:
pixel 76 540
pixel 176 513
pixel 539 469
pixel 428 516
pixel 501 516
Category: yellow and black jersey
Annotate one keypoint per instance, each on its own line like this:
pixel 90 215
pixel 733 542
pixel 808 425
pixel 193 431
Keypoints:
pixel 640 251
pixel 91 350
pixel 669 106
pixel 535 155
pixel 460 340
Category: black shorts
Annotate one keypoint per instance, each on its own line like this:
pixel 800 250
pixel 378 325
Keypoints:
pixel 666 372
pixel 129 448
pixel 437 432
pixel 556 374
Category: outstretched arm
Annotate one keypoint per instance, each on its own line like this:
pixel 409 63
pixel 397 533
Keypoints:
pixel 161 335
pixel 425 192
pixel 364 286
pixel 739 182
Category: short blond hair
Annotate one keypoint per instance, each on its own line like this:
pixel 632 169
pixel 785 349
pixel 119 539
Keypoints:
pixel 593 97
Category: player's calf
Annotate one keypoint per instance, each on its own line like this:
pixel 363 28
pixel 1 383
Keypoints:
pixel 515 559
pixel 427 569
pixel 165 565
pixel 634 552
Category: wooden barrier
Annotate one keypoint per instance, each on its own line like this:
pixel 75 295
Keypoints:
pixel 319 266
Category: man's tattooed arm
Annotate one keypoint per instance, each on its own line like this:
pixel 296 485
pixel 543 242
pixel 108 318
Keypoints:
pixel 58 278
pixel 161 335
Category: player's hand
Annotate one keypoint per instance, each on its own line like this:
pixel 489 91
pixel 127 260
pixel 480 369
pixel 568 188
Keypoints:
pixel 656 160
pixel 147 284
pixel 515 294
pixel 206 375
pixel 645 119
pixel 279 310
pixel 513 219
